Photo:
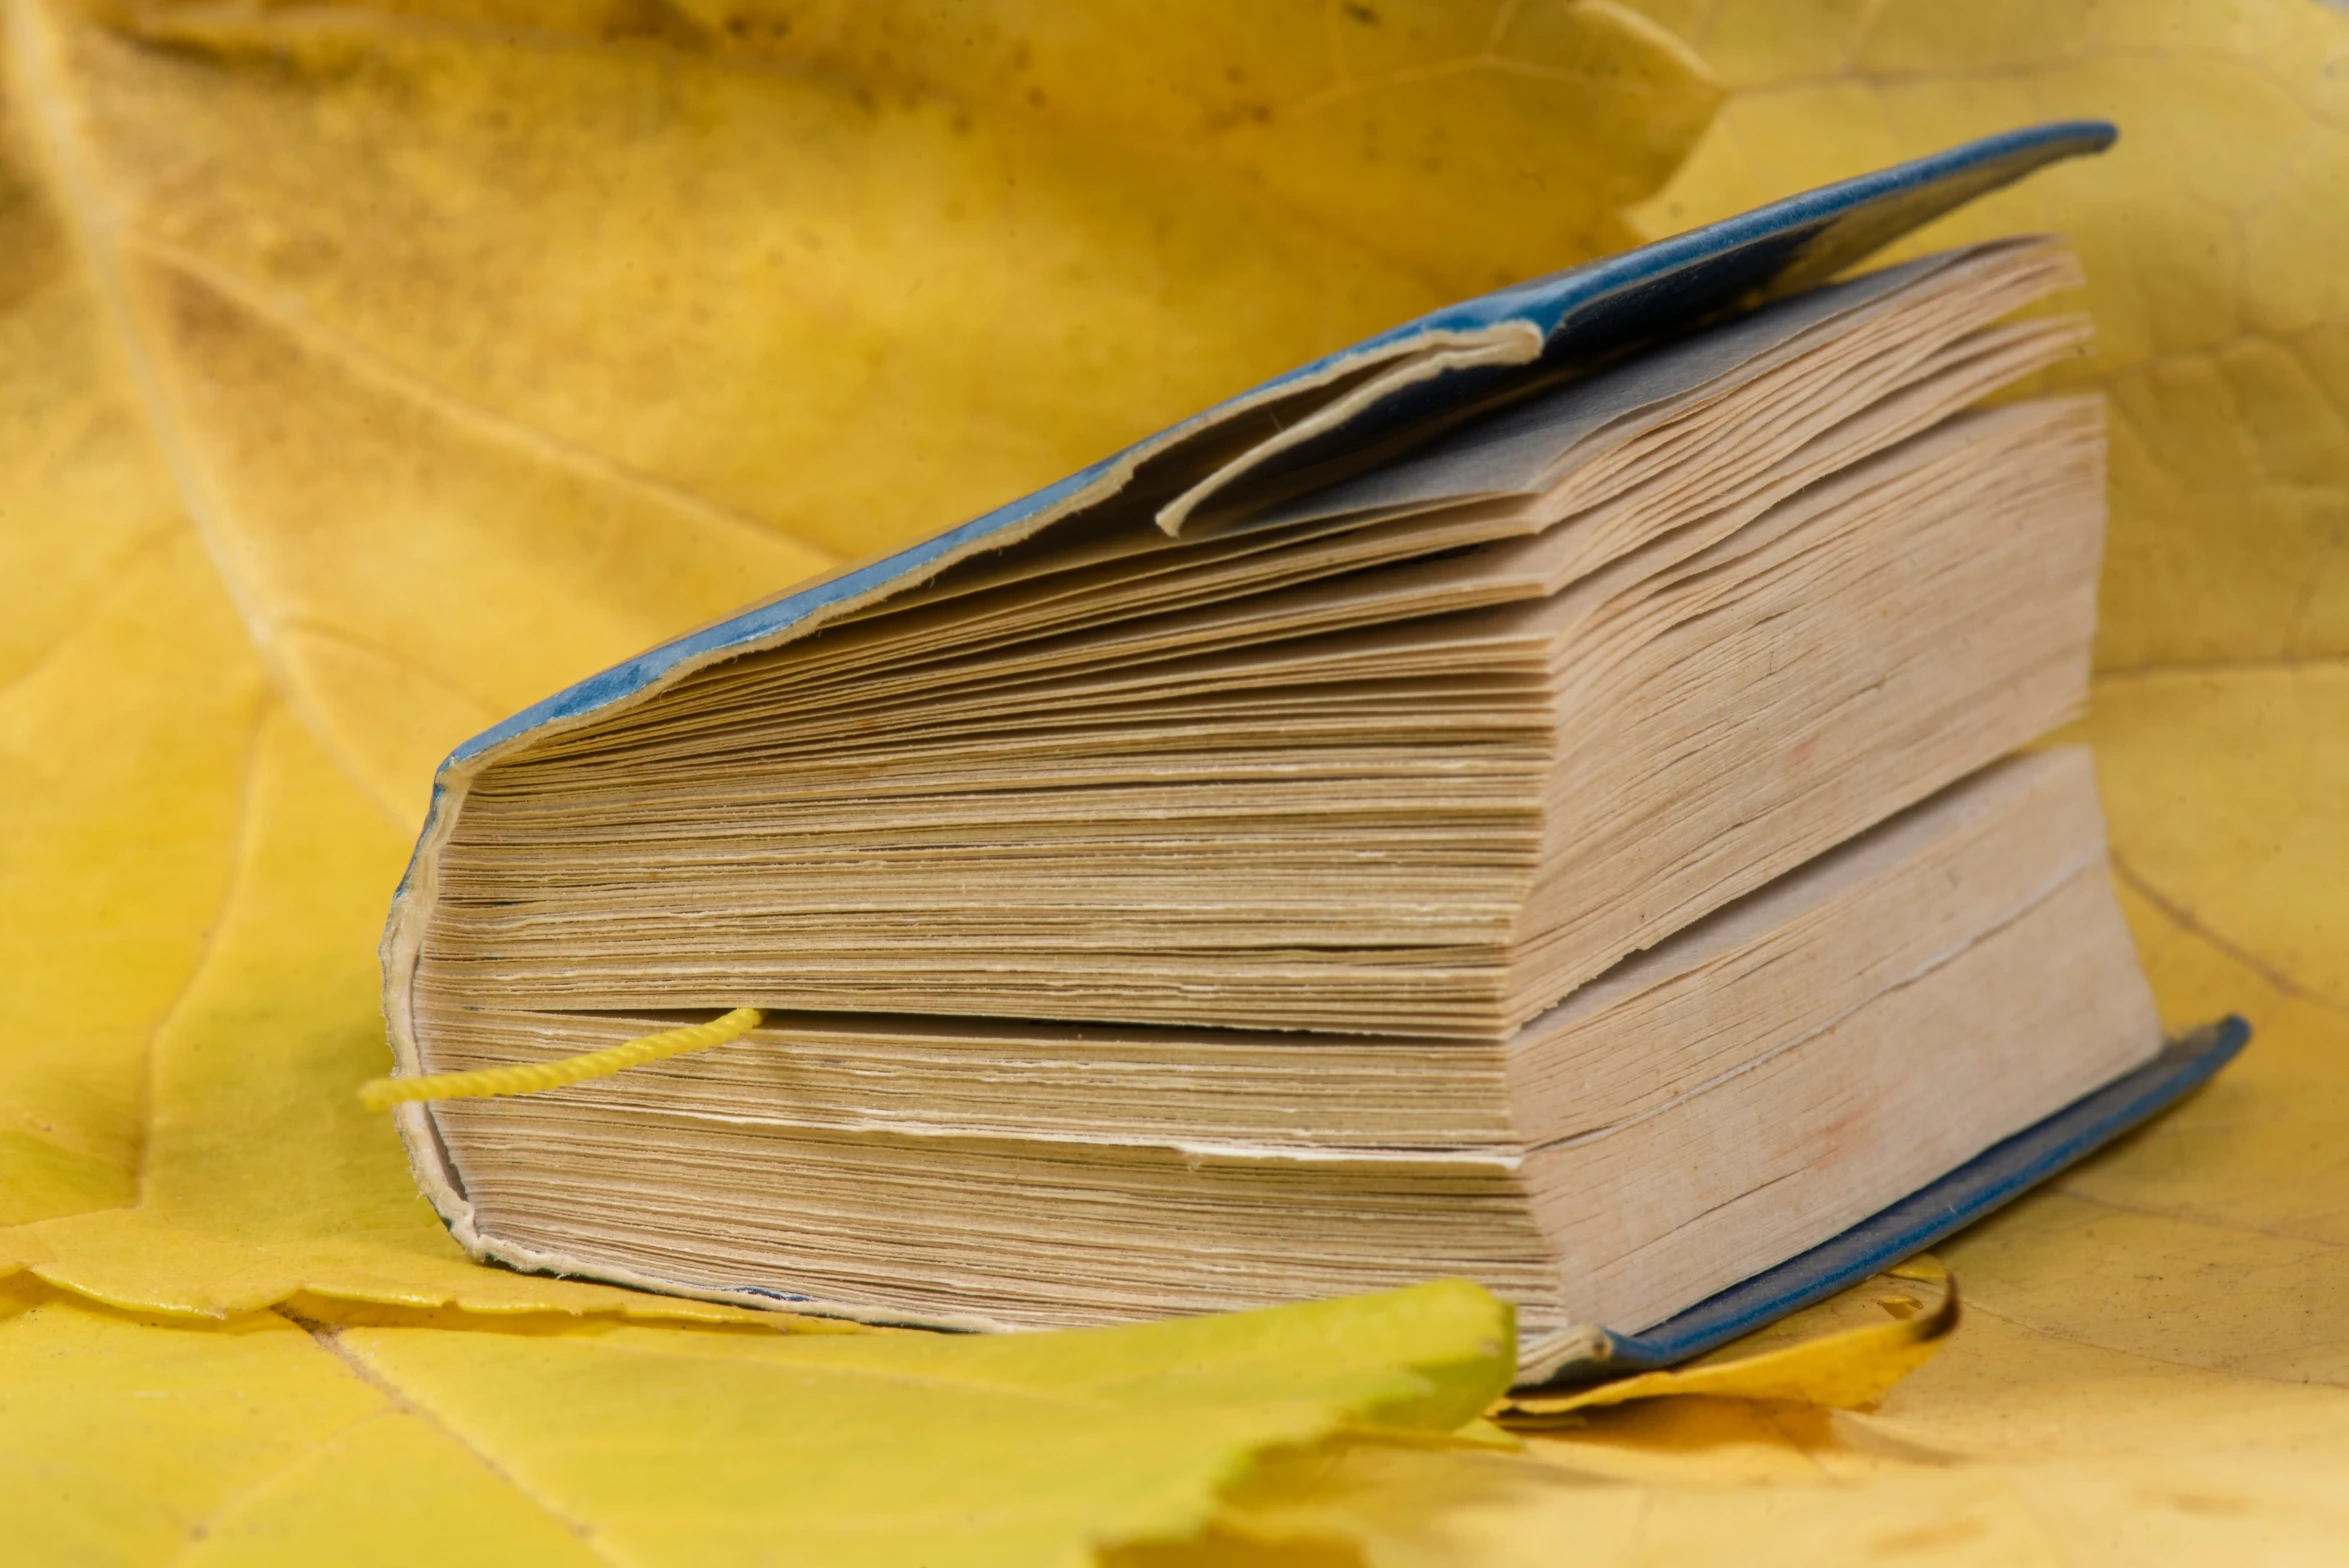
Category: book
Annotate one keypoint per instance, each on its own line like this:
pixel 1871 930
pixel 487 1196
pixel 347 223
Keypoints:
pixel 1538 796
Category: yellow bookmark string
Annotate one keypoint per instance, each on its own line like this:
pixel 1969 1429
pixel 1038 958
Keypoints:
pixel 381 1094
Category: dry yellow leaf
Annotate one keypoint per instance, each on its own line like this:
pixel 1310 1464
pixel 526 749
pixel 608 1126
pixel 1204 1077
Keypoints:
pixel 1850 1365
pixel 403 1437
pixel 127 1440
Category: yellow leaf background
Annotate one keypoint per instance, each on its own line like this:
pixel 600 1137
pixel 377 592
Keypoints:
pixel 367 373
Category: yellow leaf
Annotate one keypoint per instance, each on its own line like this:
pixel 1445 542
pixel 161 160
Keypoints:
pixel 131 1441
pixel 1381 1504
pixel 1845 1368
pixel 420 1438
pixel 2228 789
pixel 913 1449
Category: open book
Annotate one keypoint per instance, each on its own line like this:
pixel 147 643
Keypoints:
pixel 1531 797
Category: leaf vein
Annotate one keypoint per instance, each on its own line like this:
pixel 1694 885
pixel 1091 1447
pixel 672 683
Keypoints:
pixel 295 322
pixel 32 50
pixel 242 840
pixel 1974 1304
pixel 2148 1211
pixel 2186 921
pixel 329 1339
